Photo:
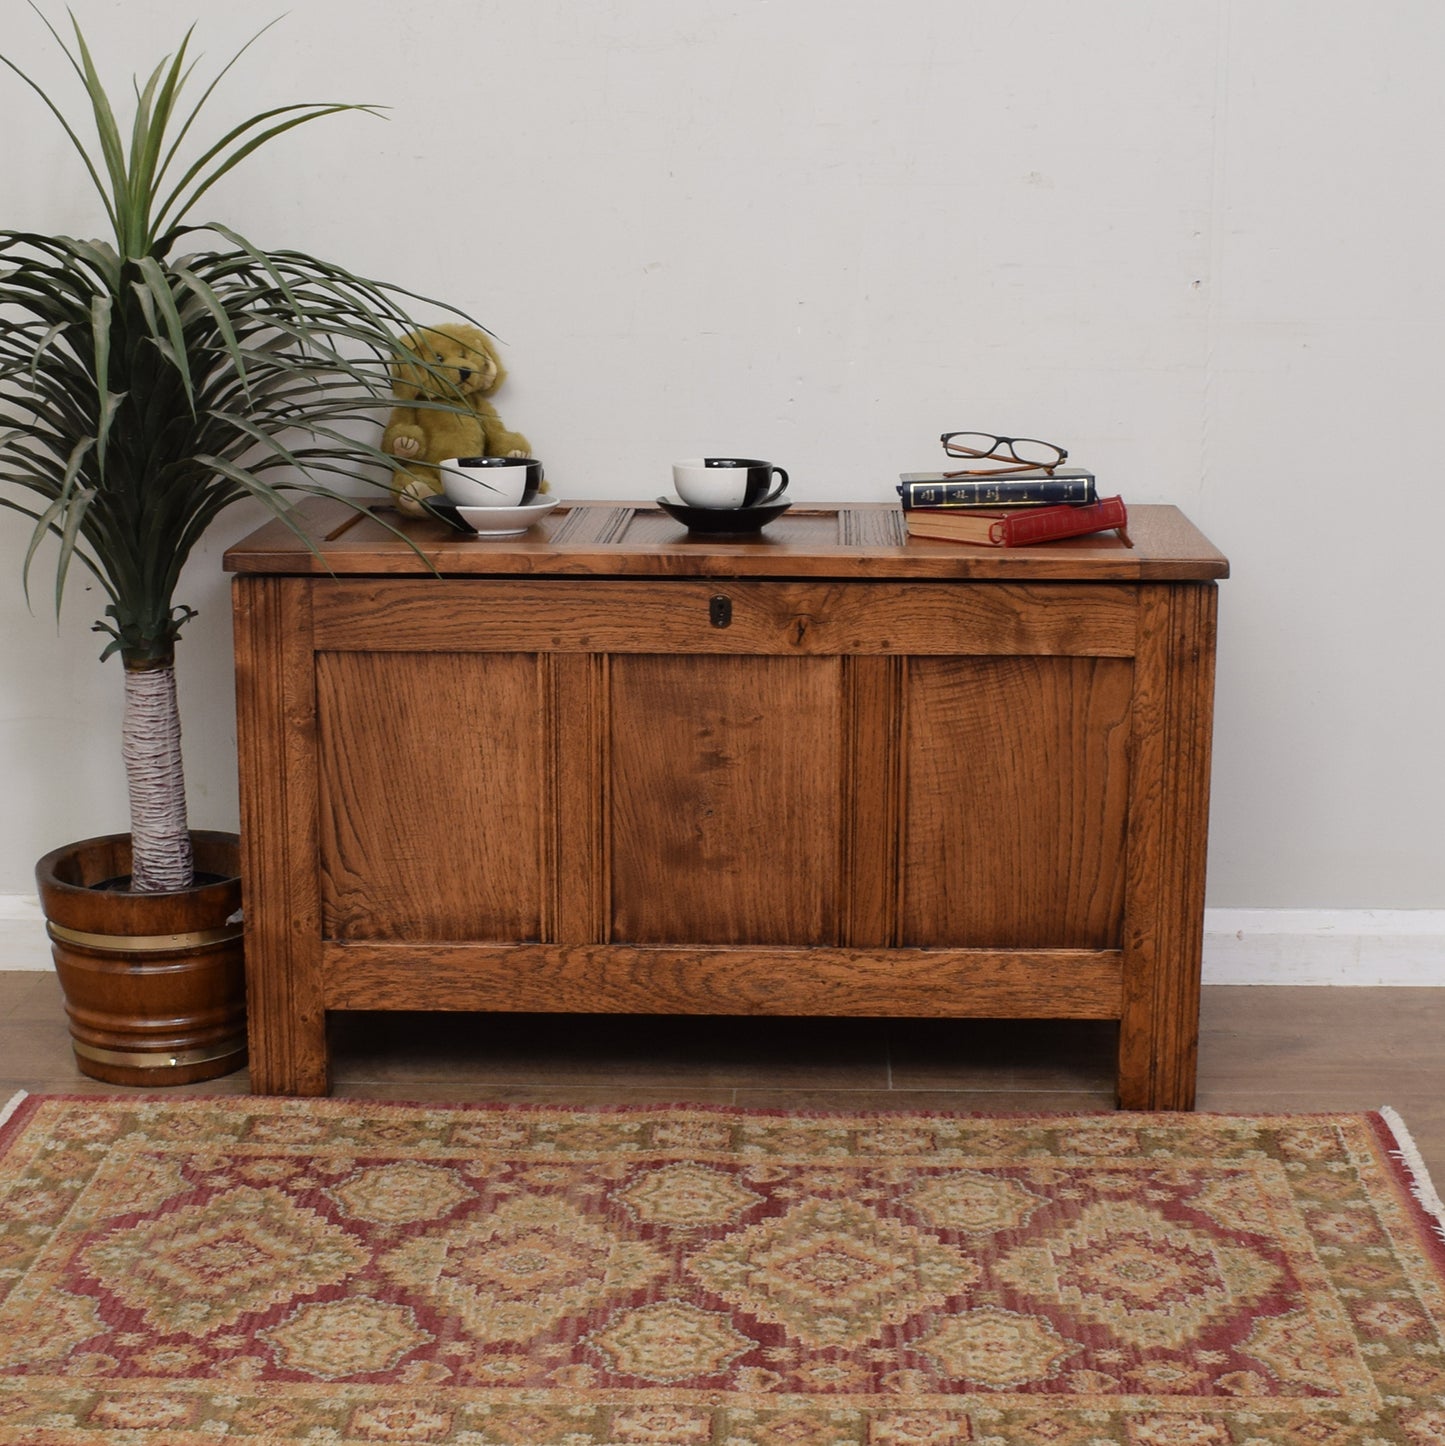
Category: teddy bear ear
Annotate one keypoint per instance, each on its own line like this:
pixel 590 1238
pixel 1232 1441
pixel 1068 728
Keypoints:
pixel 409 370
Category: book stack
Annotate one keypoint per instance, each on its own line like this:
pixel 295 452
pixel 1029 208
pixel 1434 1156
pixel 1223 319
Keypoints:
pixel 1012 510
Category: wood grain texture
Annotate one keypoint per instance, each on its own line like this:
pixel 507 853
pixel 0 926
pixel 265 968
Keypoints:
pixel 724 800
pixel 585 615
pixel 858 541
pixel 872 799
pixel 431 822
pixel 1168 837
pixel 276 747
pixel 601 979
pixel 823 772
pixel 577 799
pixel 1016 802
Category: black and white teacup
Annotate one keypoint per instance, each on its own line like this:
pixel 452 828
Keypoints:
pixel 727 481
pixel 490 481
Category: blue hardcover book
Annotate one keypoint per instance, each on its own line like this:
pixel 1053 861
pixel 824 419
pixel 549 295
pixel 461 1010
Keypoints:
pixel 1014 489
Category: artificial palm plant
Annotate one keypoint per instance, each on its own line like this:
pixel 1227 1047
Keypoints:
pixel 150 381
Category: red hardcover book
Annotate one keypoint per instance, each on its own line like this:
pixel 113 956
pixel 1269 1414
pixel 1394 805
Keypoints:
pixel 1022 526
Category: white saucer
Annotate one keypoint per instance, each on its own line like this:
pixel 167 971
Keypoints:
pixel 506 521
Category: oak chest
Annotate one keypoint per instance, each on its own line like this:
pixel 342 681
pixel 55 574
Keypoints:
pixel 606 766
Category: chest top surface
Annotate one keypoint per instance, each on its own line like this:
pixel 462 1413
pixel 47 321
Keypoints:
pixel 863 541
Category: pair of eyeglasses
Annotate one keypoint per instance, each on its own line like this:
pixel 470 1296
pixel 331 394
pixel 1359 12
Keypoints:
pixel 1007 454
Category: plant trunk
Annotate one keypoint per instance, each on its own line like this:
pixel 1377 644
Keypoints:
pixel 151 745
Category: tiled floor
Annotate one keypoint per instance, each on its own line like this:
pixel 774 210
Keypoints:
pixel 1261 1049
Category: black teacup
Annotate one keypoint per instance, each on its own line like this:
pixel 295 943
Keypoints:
pixel 727 481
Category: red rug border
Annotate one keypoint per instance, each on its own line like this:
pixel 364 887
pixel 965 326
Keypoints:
pixel 1395 1140
pixel 1407 1170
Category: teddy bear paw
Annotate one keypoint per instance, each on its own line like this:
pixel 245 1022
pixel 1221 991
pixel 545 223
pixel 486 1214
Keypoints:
pixel 517 452
pixel 405 447
pixel 410 496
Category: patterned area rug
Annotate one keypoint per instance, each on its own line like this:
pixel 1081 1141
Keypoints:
pixel 186 1271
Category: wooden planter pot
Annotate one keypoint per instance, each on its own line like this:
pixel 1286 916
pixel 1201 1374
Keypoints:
pixel 155 984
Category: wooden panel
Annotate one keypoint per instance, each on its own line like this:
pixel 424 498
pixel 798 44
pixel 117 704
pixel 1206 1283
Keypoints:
pixel 1168 836
pixel 431 801
pixel 585 615
pixel 725 800
pixel 276 747
pixel 1017 797
pixel 872 798
pixel 576 804
pixel 602 979
pixel 860 540
pixel 872 528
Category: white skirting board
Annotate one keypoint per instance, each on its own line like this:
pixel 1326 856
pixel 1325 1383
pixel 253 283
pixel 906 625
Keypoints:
pixel 1241 946
pixel 22 933
pixel 1363 947
pixel 23 944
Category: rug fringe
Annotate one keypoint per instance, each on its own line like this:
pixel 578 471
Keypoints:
pixel 1409 1155
pixel 11 1105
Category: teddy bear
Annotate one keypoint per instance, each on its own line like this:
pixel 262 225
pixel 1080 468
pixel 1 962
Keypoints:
pixel 458 366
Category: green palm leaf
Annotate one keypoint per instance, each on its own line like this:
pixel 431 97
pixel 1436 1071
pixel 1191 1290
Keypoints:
pixel 150 381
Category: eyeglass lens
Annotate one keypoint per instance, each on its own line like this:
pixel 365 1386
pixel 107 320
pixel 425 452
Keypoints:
pixel 1021 449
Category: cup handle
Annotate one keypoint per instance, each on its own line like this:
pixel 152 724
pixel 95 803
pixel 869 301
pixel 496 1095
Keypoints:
pixel 778 490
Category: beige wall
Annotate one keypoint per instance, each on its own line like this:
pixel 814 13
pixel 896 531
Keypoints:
pixel 1197 242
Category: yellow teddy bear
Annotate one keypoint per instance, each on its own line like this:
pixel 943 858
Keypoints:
pixel 456 365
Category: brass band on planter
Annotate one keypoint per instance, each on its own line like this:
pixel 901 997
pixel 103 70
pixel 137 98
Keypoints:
pixel 145 943
pixel 160 1058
